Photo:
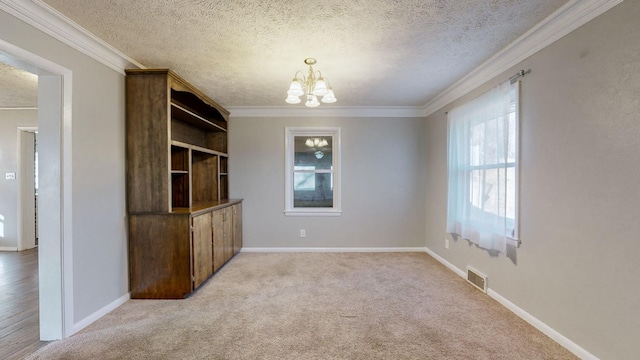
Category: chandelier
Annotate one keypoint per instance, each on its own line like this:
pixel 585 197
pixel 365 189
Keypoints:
pixel 313 85
pixel 317 144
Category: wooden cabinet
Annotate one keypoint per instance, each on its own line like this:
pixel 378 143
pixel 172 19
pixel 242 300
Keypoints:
pixel 237 227
pixel 160 256
pixel 177 183
pixel 227 234
pixel 221 234
pixel 202 248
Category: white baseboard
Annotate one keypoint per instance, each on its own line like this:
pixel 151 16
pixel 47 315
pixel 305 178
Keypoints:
pixel 8 248
pixel 335 250
pixel 544 328
pixel 100 313
pixel 533 321
pixel 444 262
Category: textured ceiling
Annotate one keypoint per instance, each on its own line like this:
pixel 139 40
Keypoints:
pixel 18 88
pixel 374 53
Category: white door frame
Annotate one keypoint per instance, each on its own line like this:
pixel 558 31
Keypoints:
pixel 55 260
pixel 26 212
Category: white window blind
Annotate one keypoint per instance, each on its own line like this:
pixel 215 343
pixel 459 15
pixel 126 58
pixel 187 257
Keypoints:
pixel 482 199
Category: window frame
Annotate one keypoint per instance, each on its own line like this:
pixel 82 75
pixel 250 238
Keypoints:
pixel 290 134
pixel 477 230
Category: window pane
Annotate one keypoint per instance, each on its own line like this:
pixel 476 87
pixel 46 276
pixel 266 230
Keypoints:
pixel 313 151
pixel 304 181
pixel 475 188
pixel 511 146
pixel 490 144
pixel 490 194
pixel 319 195
pixel 477 136
pixel 511 193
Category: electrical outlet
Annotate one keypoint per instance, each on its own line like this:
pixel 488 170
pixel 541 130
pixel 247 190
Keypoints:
pixel 446 243
pixel 303 233
pixel 10 176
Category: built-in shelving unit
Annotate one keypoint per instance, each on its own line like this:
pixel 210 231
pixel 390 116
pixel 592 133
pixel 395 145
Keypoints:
pixel 177 182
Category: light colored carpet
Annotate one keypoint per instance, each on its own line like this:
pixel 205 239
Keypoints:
pixel 316 306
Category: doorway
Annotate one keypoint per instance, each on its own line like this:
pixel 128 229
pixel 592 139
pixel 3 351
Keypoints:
pixel 54 189
pixel 27 188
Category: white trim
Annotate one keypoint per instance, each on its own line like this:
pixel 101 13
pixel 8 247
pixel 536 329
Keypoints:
pixel 65 238
pixel 312 212
pixel 67 191
pixel 21 184
pixel 48 20
pixel 444 262
pixel 567 18
pixel 329 111
pixel 544 328
pixel 330 250
pixel 532 320
pixel 100 313
pixel 17 108
pixel 8 248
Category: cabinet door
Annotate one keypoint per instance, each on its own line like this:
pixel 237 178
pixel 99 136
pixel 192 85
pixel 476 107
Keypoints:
pixel 222 237
pixel 218 239
pixel 228 233
pixel 202 249
pixel 237 228
pixel 160 256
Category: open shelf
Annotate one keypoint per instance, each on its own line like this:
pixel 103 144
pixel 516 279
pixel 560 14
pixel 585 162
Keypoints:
pixel 204 177
pixel 224 164
pixel 188 133
pixel 193 119
pixel 179 190
pixel 195 106
pixel 179 159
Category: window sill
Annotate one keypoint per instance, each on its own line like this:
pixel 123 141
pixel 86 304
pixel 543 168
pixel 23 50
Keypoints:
pixel 313 212
pixel 513 242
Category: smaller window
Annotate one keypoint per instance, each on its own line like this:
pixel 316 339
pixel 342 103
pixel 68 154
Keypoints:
pixel 312 172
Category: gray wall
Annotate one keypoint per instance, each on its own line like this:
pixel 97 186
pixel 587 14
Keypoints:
pixel 100 274
pixel 577 267
pixel 382 183
pixel 10 120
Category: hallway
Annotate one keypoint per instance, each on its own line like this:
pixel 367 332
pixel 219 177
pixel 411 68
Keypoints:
pixel 19 327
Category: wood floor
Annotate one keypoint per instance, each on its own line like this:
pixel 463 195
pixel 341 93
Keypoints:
pixel 19 318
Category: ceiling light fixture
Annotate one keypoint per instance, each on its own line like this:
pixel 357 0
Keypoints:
pixel 317 144
pixel 313 85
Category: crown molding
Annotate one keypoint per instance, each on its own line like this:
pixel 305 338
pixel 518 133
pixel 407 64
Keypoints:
pixel 48 20
pixel 328 111
pixel 567 18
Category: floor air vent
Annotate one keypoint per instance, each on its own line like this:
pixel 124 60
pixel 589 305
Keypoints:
pixel 477 279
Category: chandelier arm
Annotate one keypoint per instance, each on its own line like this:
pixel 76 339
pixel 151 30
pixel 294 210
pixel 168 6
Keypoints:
pixel 295 76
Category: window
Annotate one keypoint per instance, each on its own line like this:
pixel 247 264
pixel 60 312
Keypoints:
pixel 482 204
pixel 312 172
